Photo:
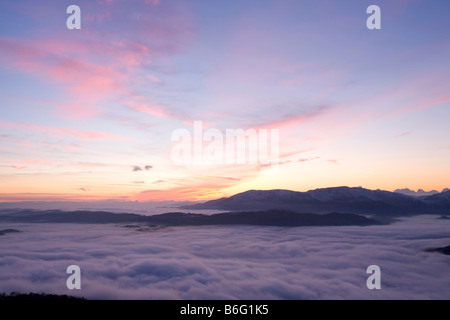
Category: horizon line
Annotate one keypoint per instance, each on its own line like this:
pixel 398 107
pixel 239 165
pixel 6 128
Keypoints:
pixel 75 198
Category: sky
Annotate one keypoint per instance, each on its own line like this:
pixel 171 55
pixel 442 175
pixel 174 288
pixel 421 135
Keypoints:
pixel 98 113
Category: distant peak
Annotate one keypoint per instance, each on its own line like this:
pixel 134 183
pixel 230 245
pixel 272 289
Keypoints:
pixel 417 193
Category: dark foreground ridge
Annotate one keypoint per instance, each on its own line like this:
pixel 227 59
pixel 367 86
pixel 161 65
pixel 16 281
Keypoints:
pixel 262 218
pixel 36 296
pixel 265 218
pixel 3 232
pixel 443 250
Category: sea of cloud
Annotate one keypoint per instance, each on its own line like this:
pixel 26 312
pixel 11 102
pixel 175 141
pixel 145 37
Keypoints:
pixel 231 262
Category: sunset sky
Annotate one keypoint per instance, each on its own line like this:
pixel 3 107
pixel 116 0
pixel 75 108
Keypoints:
pixel 89 114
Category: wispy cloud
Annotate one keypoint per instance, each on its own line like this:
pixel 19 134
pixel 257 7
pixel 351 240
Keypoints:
pixel 148 108
pixel 220 178
pixel 334 161
pixel 63 131
pixel 403 134
pixel 86 83
pixel 13 167
pixel 97 66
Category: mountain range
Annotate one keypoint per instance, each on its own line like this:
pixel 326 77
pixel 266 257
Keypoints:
pixel 6 231
pixel 419 192
pixel 265 218
pixel 339 199
pixel 320 207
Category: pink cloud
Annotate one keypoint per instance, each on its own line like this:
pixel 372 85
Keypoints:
pixel 220 178
pixel 86 82
pixel 420 93
pixel 153 2
pixel 34 162
pixel 403 134
pixel 294 157
pixel 81 134
pixel 425 104
pixel 13 197
pixel 152 109
pixel 132 122
pixel 14 167
pixel 334 161
pixel 39 146
pixel 295 120
pixel 64 132
pixel 95 66
pixel 307 159
pixel 90 164
pixel 154 78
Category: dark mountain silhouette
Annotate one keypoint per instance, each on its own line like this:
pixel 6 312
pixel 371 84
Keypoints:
pixel 57 216
pixel 441 198
pixel 443 250
pixel 265 218
pixel 340 199
pixel 3 232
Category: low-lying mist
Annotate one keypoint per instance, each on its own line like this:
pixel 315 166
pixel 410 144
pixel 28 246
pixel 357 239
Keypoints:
pixel 228 262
